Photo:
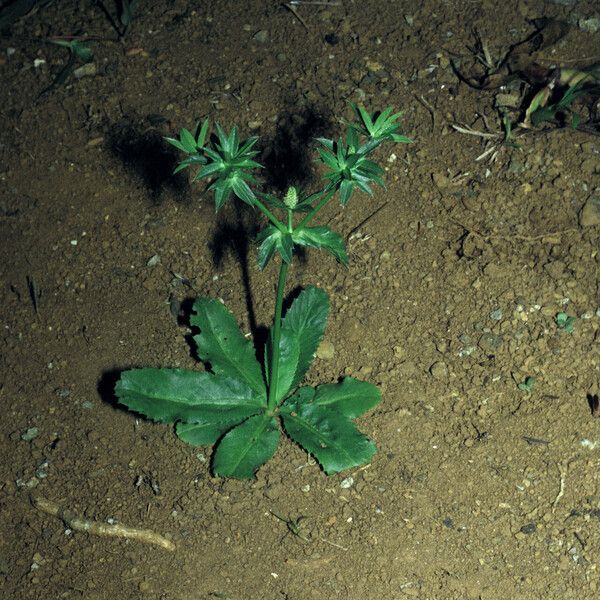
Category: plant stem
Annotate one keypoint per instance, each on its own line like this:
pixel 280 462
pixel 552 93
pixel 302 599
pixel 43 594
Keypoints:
pixel 265 211
pixel 276 336
pixel 309 217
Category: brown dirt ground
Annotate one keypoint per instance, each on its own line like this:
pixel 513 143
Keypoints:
pixel 479 490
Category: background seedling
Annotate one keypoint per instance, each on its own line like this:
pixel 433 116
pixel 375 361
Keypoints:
pixel 79 53
pixel 527 385
pixel 237 404
pixel 292 525
pixel 564 322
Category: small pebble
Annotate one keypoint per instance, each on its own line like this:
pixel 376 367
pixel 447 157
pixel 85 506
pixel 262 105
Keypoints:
pixel 439 370
pixel 347 483
pixel 326 350
pixel 30 434
pixel 496 315
pixel 261 36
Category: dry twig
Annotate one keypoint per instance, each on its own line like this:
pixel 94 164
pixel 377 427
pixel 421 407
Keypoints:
pixel 78 523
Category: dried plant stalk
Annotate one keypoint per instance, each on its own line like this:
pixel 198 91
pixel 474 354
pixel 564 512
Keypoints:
pixel 78 523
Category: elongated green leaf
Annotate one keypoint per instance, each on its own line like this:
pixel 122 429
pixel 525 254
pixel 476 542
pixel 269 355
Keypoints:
pixel 210 169
pixel 204 433
pixel 330 437
pixel 306 319
pixel 243 191
pixel 222 345
pixel 323 238
pixel 187 141
pixel 169 395
pixel 285 247
pixel 246 447
pixel 268 243
pixel 175 143
pixel 202 133
pixel 346 187
pixel 289 353
pixel 350 397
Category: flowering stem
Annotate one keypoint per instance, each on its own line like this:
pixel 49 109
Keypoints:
pixel 275 353
pixel 265 211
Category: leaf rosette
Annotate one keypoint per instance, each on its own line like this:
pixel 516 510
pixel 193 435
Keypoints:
pixel 227 404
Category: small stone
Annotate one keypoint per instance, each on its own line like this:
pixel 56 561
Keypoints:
pixel 30 434
pixel 528 529
pixel 347 483
pixel 95 141
pixel 508 100
pixel 590 213
pixel 399 352
pixel 153 261
pixel 253 125
pixel 326 350
pixel 305 488
pixel 439 370
pixel 87 70
pixel 261 36
pixel 496 315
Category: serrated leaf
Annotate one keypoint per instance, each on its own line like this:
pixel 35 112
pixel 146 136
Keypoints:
pixel 169 395
pixel 289 354
pixel 246 447
pixel 351 397
pixel 330 437
pixel 204 433
pixel 222 345
pixel 323 238
pixel 306 320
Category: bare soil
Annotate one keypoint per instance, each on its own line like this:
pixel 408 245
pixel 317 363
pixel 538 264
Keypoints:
pixel 480 489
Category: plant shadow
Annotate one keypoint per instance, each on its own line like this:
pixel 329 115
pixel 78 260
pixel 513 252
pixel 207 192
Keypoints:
pixel 143 152
pixel 286 155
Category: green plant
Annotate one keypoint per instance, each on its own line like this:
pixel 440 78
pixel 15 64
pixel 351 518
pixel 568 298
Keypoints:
pixel 126 15
pixel 79 53
pixel 527 385
pixel 293 525
pixel 238 403
pixel 554 101
pixel 564 321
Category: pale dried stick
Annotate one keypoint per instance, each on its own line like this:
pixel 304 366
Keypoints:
pixel 78 523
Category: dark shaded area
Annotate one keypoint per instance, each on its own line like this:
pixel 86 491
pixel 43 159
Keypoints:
pixel 234 236
pixel 288 156
pixel 144 152
pixel 594 404
pixel 106 388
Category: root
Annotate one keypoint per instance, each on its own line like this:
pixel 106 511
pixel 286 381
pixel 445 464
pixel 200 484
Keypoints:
pixel 78 523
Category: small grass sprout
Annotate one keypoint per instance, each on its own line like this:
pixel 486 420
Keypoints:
pixel 238 404
pixel 565 322
pixel 527 385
